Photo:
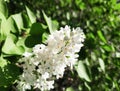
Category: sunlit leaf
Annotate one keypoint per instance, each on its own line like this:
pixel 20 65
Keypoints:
pixel 21 42
pixel 117 54
pixel 3 8
pixel 3 31
pixel 2 17
pixel 82 71
pixel 19 21
pixel 10 47
pixel 7 26
pixel 101 36
pixel 31 15
pixel 44 37
pixel 102 64
pixel 0 31
pixel 26 20
pixel 87 86
pixel 2 62
pixel 80 4
pixel 107 48
pixel 52 24
pixel 117 6
pixel 70 89
pixel 11 25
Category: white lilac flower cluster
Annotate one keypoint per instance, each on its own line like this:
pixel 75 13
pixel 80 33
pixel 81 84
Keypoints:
pixel 49 60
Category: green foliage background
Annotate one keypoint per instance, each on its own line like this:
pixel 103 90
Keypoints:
pixel 24 23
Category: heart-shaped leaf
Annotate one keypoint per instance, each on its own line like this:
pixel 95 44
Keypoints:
pixel 10 47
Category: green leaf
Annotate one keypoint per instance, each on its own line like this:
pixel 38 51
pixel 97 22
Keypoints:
pixel 36 33
pixel 3 25
pixel 44 37
pixel 37 29
pixel 21 42
pixel 117 6
pixel 10 47
pixel 107 48
pixel 1 38
pixel 82 71
pixel 2 62
pixel 113 2
pixel 117 54
pixel 86 84
pixel 80 4
pixel 2 17
pixel 101 36
pixel 3 8
pixel 5 29
pixel 31 15
pixel 26 20
pixel 52 25
pixel 11 25
pixel 102 64
pixel 19 21
pixel 97 10
pixel 7 26
pixel 31 41
pixel 8 72
pixel 70 89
